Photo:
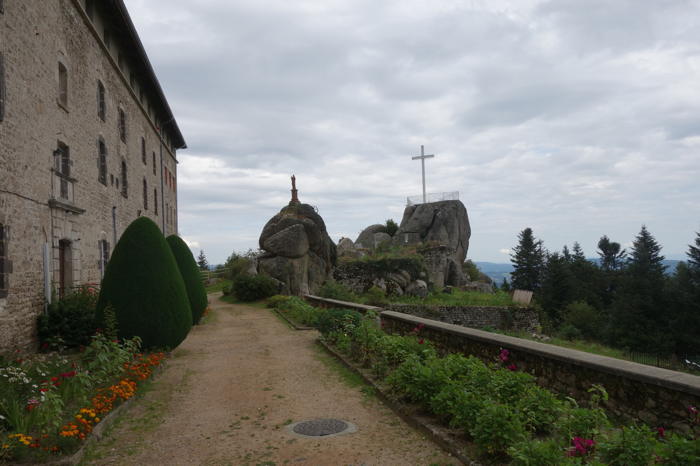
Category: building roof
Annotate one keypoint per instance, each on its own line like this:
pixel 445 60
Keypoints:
pixel 122 26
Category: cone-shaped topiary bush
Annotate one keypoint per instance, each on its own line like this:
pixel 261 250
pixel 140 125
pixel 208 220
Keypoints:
pixel 144 286
pixel 191 275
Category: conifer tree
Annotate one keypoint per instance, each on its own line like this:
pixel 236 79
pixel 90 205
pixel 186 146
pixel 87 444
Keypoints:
pixel 694 259
pixel 202 261
pixel 144 286
pixel 191 276
pixel 528 262
pixel 611 255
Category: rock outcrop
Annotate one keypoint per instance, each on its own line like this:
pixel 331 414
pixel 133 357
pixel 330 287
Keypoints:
pixel 443 230
pixel 297 249
pixel 368 237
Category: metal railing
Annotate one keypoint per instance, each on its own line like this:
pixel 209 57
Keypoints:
pixel 684 363
pixel 432 197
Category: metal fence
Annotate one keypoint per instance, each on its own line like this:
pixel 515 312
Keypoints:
pixel 686 363
pixel 432 197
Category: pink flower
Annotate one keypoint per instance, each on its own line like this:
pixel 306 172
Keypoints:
pixel 581 446
pixel 421 341
pixel 503 356
pixel 693 410
pixel 512 367
pixel 67 375
pixel 661 431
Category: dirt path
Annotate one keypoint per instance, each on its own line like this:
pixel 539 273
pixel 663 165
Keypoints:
pixel 228 392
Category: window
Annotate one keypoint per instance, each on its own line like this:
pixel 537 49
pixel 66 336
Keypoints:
pixel 2 86
pixel 103 254
pixel 154 163
pixel 65 267
pixel 62 166
pixel 122 125
pixel 101 104
pixel 145 194
pixel 62 84
pixel 155 201
pixel 125 183
pixel 4 263
pixel 102 162
pixel 89 9
pixel 143 150
pixel 167 211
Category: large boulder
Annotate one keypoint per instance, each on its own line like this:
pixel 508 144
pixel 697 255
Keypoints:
pixel 366 239
pixel 298 251
pixel 443 227
pixel 345 247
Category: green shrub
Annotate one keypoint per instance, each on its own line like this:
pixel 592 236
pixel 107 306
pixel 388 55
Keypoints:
pixel 333 320
pixel 144 286
pixel 537 453
pixel 70 321
pixel 585 318
pixel 570 332
pixel 375 296
pixel 628 446
pixel 299 310
pixel 680 451
pixel 582 422
pixel 391 227
pixel 496 428
pixel 508 386
pixel 191 275
pixel 334 290
pixel 456 403
pixel 277 301
pixel 540 409
pixel 249 288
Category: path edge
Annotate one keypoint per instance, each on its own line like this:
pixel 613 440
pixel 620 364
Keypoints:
pixel 424 424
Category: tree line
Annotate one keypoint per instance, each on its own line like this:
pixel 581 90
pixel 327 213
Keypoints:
pixel 626 300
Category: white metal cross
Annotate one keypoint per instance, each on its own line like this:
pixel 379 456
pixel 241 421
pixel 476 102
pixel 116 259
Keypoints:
pixel 422 158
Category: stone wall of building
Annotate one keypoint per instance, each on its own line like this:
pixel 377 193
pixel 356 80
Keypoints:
pixel 35 36
pixel 502 318
pixel 656 396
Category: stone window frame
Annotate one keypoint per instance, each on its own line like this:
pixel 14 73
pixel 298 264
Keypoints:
pixel 102 161
pixel 2 6
pixel 154 162
pixel 122 124
pixel 124 180
pixel 101 101
pixel 103 253
pixel 145 194
pixel 5 263
pixel 62 97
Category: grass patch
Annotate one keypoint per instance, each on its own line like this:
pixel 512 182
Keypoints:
pixel 233 300
pixel 348 377
pixel 458 298
pixel 218 286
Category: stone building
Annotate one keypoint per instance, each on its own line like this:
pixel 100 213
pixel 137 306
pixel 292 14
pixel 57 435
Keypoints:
pixel 87 144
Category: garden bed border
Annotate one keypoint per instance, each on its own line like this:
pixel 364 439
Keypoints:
pixel 327 302
pixel 426 424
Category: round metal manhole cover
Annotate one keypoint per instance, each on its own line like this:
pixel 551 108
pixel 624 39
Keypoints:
pixel 322 428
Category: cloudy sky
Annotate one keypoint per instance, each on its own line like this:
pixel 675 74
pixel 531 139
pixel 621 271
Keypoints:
pixel 577 118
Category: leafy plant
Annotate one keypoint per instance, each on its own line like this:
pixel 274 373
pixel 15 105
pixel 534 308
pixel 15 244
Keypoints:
pixel 333 320
pixel 335 290
pixel 496 428
pixel 375 296
pixel 630 445
pixel 540 409
pixel 537 453
pixel 678 450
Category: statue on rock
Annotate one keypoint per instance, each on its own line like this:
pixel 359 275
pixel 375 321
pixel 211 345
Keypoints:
pixel 297 249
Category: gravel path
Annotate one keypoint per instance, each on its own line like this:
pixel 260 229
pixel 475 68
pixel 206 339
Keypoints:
pixel 228 392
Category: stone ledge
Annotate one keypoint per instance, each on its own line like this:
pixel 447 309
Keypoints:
pixel 679 381
pixel 363 308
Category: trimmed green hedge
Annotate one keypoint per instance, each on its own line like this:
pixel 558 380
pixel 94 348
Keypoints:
pixel 191 276
pixel 144 286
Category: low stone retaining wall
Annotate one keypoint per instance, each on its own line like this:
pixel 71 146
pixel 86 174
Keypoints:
pixel 502 318
pixel 658 397
pixel 328 303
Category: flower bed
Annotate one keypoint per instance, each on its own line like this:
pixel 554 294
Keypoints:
pixel 50 403
pixel 509 418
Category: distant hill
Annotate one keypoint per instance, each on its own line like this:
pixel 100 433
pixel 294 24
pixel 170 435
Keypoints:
pixel 499 271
